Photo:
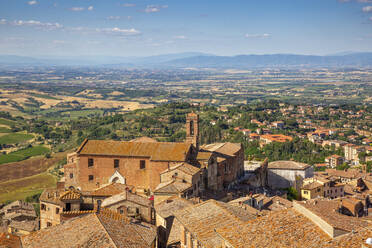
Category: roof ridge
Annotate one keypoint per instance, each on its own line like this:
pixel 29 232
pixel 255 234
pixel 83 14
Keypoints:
pixel 96 215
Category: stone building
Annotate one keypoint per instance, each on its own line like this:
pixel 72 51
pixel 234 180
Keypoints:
pixel 285 174
pixel 131 205
pixel 140 162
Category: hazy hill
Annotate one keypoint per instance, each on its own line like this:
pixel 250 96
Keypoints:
pixel 199 60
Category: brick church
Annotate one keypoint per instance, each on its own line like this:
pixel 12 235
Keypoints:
pixel 184 168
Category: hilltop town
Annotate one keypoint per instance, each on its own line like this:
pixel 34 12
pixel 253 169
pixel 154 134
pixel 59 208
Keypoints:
pixel 261 175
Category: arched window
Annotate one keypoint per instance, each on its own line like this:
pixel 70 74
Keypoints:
pixel 191 127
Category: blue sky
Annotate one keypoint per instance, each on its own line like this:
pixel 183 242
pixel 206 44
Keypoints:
pixel 150 27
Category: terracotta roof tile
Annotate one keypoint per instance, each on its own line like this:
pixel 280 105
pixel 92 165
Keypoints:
pixel 292 165
pixel 228 148
pixel 9 241
pixel 156 151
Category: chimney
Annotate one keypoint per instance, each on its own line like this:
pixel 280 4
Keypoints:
pixel 99 202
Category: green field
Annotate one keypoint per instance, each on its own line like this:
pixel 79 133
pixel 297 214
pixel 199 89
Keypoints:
pixel 5 130
pixel 23 154
pixel 13 138
pixel 21 188
pixel 6 122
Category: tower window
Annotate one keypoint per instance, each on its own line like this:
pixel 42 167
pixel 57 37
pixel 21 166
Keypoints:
pixel 91 177
pixel 71 175
pixel 191 127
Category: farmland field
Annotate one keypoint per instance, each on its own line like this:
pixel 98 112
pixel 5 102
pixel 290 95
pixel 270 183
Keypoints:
pixel 23 154
pixel 6 122
pixel 13 138
pixel 5 130
pixel 21 188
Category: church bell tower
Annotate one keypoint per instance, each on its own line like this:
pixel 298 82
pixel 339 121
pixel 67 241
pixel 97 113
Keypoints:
pixel 192 129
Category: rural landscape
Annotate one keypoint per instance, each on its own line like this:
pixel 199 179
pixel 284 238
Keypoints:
pixel 185 124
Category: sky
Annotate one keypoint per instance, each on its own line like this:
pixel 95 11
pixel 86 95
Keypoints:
pixel 151 27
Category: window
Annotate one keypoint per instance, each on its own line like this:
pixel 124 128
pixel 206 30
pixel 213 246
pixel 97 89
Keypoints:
pixel 71 175
pixel 305 192
pixel 191 128
pixel 49 224
pixel 142 164
pixel 91 177
pixel 137 211
pixel 121 211
pixel 341 189
pixel 57 210
pixel 318 190
pixel 90 162
pixel 116 163
pixel 43 207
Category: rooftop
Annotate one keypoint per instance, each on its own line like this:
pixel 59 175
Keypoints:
pixel 171 205
pixel 289 165
pixel 287 228
pixel 173 187
pixel 106 229
pixel 228 148
pixel 156 151
pixel 184 167
pixel 202 219
pixel 110 189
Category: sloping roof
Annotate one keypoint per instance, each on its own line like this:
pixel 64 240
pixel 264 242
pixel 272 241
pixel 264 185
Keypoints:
pixel 202 219
pixel 173 187
pixel 311 186
pixel 143 139
pixel 184 167
pixel 70 195
pixel 276 137
pixel 345 174
pixel 95 231
pixel 126 196
pixel 157 151
pixel 204 155
pixel 110 190
pixel 8 240
pixel 287 228
pixel 288 165
pixel 228 148
pixel 28 226
pixel 171 205
pixel 327 210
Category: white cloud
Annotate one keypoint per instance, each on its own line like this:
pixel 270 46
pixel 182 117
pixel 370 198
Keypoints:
pixel 113 17
pixel 77 9
pixel 33 2
pixel 37 24
pixel 257 35
pixel 3 21
pixel 128 5
pixel 364 1
pixel 90 8
pixel 154 8
pixel 118 31
pixel 367 9
pixel 59 42
pixel 180 37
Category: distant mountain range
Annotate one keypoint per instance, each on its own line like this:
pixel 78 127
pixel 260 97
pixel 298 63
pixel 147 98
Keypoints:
pixel 199 60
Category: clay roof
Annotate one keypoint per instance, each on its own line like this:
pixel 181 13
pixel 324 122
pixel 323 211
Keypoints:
pixel 8 240
pixel 143 139
pixel 287 228
pixel 311 186
pixel 328 211
pixel 204 155
pixel 276 137
pixel 28 226
pixel 70 195
pixel 202 219
pixel 106 229
pixel 126 196
pixel 228 148
pixel 345 174
pixel 288 165
pixel 184 167
pixel 110 190
pixel 157 151
pixel 173 187
pixel 171 205
pixel 52 196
